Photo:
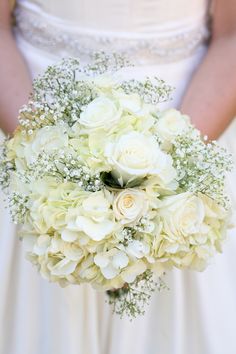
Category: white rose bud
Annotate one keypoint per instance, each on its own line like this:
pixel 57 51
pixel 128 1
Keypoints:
pixel 130 205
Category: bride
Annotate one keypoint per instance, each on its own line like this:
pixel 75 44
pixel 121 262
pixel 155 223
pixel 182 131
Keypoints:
pixel 191 45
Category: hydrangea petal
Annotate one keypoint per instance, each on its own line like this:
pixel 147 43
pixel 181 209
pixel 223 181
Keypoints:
pixel 120 260
pixel 96 231
pixel 42 244
pixel 68 235
pixel 109 272
pixel 63 267
pixel 130 274
pixel 101 260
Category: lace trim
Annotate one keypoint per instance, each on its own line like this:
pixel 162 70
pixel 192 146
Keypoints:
pixel 160 49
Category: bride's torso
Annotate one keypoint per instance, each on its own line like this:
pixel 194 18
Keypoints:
pixel 148 30
pixel 140 16
pixel 164 38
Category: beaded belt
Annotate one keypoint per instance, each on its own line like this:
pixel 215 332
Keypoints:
pixel 69 40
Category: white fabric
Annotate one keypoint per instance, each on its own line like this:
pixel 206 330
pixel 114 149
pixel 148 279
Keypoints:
pixel 197 315
pixel 144 42
pixel 122 15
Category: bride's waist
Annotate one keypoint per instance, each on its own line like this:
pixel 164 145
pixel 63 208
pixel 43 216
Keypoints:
pixel 166 44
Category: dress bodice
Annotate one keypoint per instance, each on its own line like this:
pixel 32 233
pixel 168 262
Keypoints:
pixel 140 16
pixel 146 30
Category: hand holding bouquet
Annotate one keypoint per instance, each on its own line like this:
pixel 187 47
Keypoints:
pixel 110 190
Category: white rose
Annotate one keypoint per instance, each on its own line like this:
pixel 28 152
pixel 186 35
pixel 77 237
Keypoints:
pixel 130 205
pixel 213 209
pixel 172 123
pixel 46 139
pixel 135 155
pixel 102 112
pixel 218 220
pixel 183 215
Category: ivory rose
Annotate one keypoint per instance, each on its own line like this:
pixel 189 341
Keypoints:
pixel 135 155
pixel 130 205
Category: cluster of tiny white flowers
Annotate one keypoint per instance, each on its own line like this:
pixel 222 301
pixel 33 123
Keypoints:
pixel 18 205
pixel 132 299
pixel 102 62
pixel 58 97
pixel 127 235
pixel 67 168
pixel 144 224
pixel 6 167
pixel 152 91
pixel 201 167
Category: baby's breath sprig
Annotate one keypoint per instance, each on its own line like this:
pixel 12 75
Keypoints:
pixel 102 62
pixel 127 234
pixel 6 166
pixel 144 224
pixel 132 299
pixel 58 96
pixel 66 168
pixel 18 205
pixel 201 167
pixel 152 91
pixel 61 92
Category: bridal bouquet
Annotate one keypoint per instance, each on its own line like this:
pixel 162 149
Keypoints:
pixel 109 189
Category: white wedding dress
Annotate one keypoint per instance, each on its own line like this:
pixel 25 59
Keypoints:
pixel 165 38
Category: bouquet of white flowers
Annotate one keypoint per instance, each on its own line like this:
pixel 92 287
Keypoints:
pixel 110 190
